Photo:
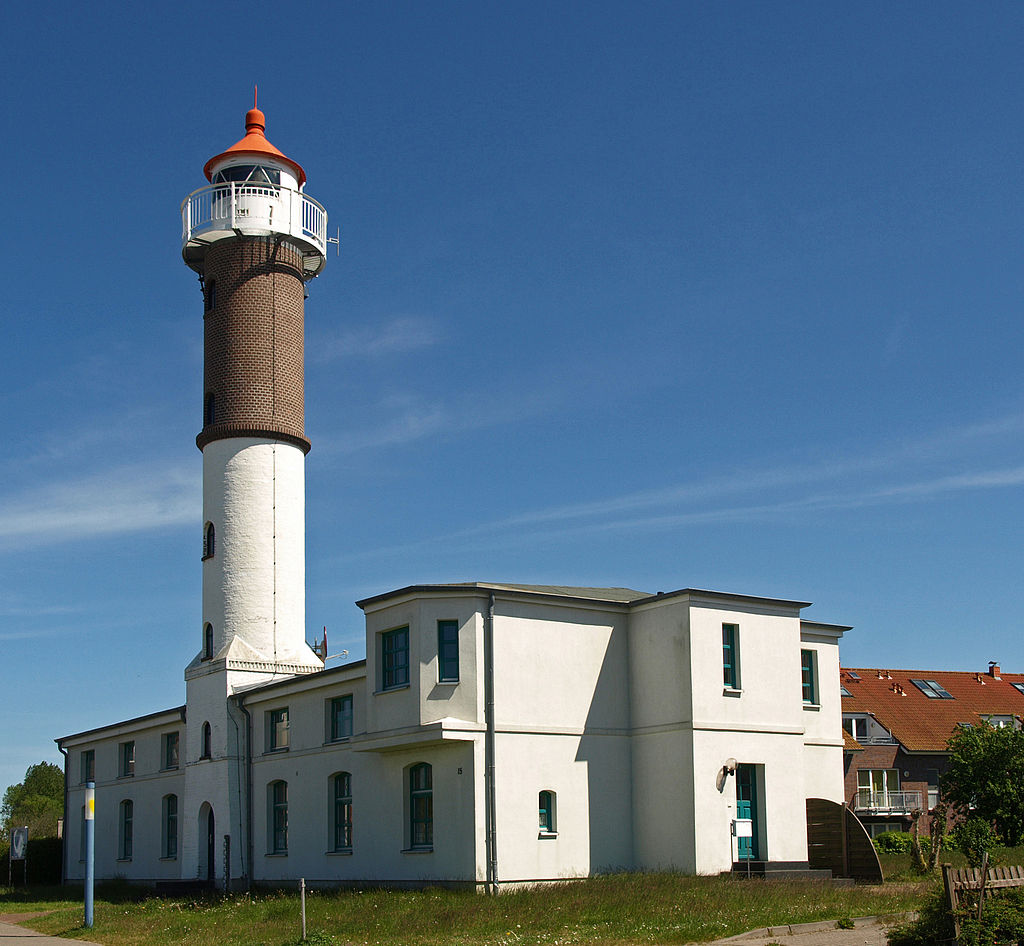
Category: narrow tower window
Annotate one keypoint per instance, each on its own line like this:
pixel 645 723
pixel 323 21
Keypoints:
pixel 210 295
pixel 209 540
pixel 206 748
pixel 207 641
pixel 208 409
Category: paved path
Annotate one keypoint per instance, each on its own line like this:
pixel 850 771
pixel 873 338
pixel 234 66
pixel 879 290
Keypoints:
pixel 11 935
pixel 868 931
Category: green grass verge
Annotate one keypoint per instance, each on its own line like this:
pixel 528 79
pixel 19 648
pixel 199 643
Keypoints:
pixel 612 910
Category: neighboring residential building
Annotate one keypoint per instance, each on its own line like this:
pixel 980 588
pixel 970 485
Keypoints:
pixel 495 732
pixel 897 725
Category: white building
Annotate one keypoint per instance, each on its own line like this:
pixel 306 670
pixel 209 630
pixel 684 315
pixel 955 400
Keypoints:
pixel 495 733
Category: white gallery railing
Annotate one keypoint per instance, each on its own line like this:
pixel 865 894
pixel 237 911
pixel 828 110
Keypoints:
pixel 868 800
pixel 245 206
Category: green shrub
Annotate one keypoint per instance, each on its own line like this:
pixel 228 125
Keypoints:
pixel 1002 921
pixel 973 838
pixel 892 842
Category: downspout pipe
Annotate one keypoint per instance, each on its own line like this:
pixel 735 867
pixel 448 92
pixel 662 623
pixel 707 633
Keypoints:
pixel 247 765
pixel 490 808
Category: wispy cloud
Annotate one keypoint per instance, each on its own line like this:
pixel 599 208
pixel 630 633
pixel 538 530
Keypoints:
pixel 394 336
pixel 121 500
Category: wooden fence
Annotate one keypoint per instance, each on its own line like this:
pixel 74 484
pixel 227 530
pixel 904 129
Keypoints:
pixel 960 883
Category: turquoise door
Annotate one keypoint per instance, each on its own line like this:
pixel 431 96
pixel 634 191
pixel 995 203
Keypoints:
pixel 746 807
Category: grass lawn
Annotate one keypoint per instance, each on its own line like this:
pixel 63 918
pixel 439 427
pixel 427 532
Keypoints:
pixel 615 909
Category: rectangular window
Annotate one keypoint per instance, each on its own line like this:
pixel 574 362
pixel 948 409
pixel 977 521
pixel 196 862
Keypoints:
pixel 808 677
pixel 342 812
pixel 170 845
pixel 88 766
pixel 278 818
pixel 340 716
pixel 125 830
pixel 448 651
pixel 394 658
pixel 879 788
pixel 730 656
pixel 170 750
pixel 421 806
pixel 126 767
pixel 277 729
pixel 546 808
pixel 856 726
pixel 933 788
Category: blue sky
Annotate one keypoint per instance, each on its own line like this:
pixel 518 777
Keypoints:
pixel 648 294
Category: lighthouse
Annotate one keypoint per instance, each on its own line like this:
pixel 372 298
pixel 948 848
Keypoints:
pixel 255 238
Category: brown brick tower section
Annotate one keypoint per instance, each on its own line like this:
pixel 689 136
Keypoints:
pixel 253 378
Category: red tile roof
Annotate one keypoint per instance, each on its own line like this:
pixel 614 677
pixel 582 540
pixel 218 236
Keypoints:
pixel 923 724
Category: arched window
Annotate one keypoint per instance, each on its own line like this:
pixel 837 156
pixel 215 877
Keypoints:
pixel 209 540
pixel 206 747
pixel 421 806
pixel 341 816
pixel 169 847
pixel 277 818
pixel 124 833
pixel 546 805
pixel 207 641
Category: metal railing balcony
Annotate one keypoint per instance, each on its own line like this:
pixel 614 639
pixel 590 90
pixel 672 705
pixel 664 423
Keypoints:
pixel 868 800
pixel 244 207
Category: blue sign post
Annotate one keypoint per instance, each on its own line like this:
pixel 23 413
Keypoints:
pixel 90 848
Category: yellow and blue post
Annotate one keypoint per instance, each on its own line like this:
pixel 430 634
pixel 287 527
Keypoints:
pixel 90 849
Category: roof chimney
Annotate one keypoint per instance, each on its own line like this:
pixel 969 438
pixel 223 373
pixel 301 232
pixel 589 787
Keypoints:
pixel 993 670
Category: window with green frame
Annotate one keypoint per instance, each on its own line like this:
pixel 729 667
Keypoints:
pixel 421 806
pixel 731 655
pixel 126 765
pixel 342 814
pixel 808 677
pixel 170 821
pixel 124 834
pixel 88 766
pixel 339 713
pixel 448 651
pixel 277 818
pixel 394 658
pixel 277 729
pixel 546 807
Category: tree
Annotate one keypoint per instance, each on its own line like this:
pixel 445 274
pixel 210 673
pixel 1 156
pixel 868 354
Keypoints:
pixel 986 777
pixel 38 802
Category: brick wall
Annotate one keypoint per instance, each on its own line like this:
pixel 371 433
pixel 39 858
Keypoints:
pixel 253 341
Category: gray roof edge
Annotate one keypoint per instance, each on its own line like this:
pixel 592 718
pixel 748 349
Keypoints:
pixel 180 710
pixel 724 595
pixel 612 596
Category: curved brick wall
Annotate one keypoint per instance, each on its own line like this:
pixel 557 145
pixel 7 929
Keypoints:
pixel 253 341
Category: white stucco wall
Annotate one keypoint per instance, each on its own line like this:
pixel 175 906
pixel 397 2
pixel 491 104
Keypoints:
pixel 146 789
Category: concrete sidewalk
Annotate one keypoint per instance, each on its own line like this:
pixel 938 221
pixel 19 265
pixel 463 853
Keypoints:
pixel 11 935
pixel 867 931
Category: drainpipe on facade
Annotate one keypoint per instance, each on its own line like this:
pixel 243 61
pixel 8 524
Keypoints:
pixel 491 830
pixel 64 837
pixel 247 760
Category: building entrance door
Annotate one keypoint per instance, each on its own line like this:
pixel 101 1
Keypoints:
pixel 746 807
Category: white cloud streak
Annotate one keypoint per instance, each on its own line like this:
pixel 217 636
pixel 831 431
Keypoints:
pixel 117 501
pixel 394 336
